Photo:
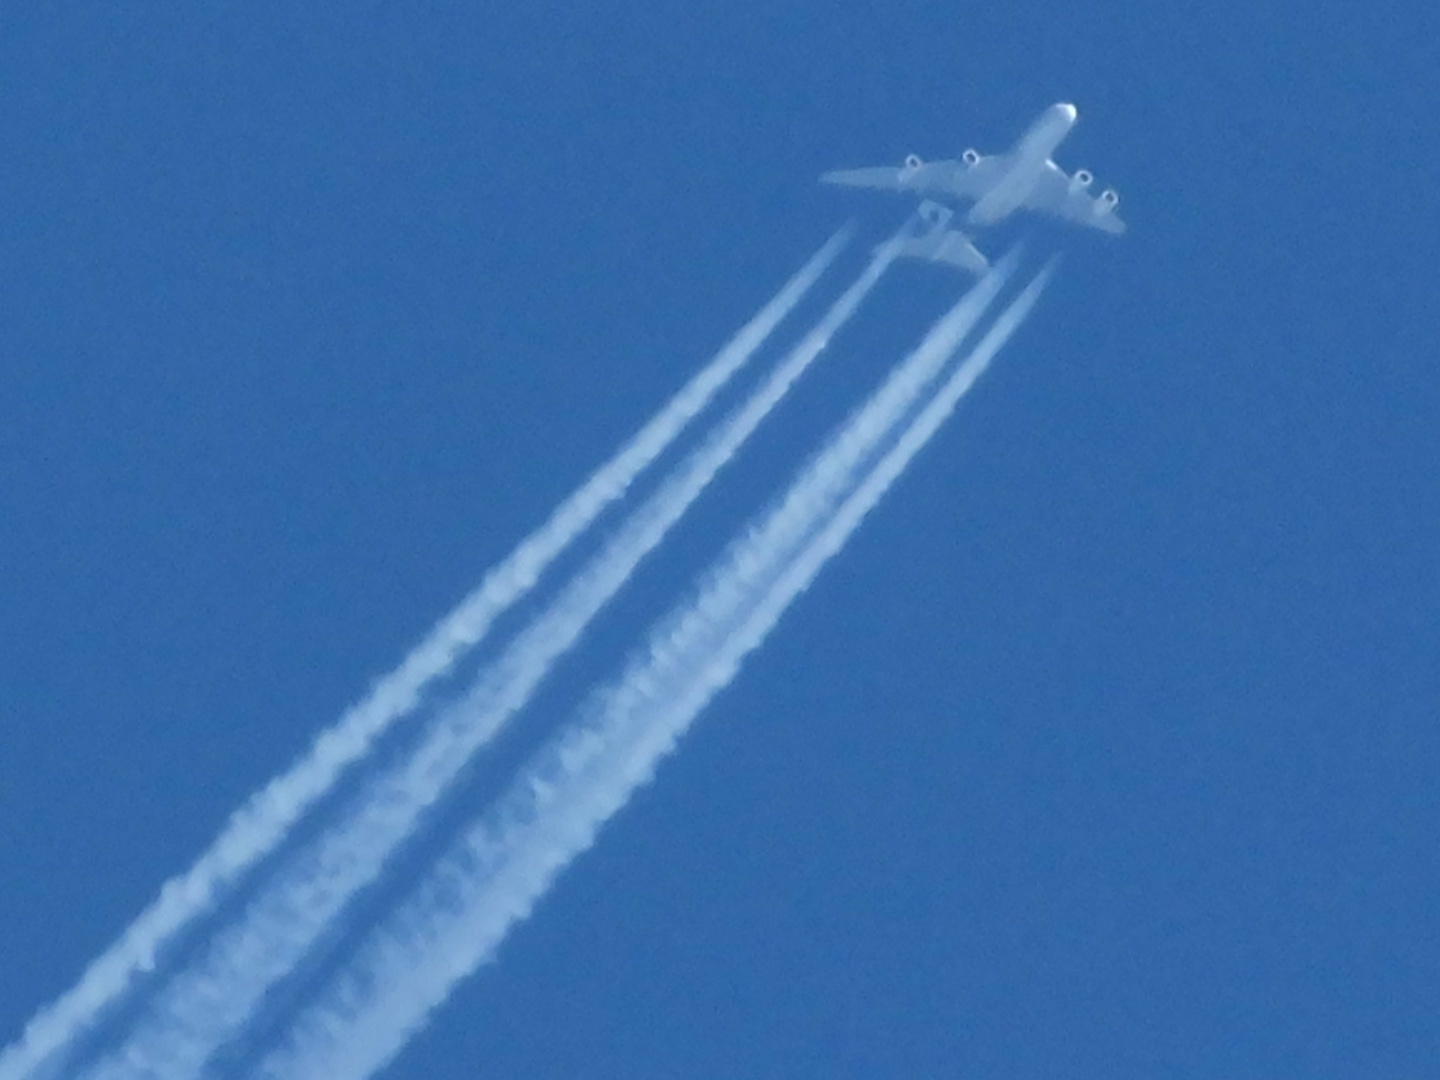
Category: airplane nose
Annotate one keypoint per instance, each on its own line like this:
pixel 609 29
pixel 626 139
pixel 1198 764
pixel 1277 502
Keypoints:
pixel 1067 110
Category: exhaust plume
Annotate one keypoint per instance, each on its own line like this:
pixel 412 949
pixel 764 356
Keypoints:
pixel 256 829
pixel 209 1003
pixel 500 868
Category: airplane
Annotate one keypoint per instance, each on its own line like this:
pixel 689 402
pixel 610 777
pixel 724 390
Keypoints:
pixel 1021 178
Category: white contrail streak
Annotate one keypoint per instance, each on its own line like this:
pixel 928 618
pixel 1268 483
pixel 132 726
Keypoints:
pixel 501 867
pixel 209 1003
pixel 256 828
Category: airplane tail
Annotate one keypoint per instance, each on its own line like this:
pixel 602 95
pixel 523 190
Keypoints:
pixel 932 241
pixel 951 247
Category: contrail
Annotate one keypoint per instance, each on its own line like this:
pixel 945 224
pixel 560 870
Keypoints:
pixel 501 867
pixel 255 830
pixel 210 1003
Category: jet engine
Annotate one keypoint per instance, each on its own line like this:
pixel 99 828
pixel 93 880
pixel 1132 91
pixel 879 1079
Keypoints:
pixel 1082 179
pixel 1108 201
pixel 971 158
pixel 912 162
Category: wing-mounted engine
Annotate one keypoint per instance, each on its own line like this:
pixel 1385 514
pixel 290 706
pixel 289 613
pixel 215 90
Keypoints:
pixel 971 158
pixel 1082 179
pixel 1107 202
pixel 912 163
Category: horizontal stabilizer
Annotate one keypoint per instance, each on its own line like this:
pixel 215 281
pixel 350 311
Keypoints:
pixel 932 241
pixel 951 247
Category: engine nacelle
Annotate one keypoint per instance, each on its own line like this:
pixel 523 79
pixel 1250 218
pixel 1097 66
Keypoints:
pixel 1108 201
pixel 971 158
pixel 912 162
pixel 1082 179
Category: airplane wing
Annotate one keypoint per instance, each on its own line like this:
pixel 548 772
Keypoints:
pixel 972 177
pixel 1069 198
pixel 958 179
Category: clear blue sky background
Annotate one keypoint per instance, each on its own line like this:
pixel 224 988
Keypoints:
pixel 1108 749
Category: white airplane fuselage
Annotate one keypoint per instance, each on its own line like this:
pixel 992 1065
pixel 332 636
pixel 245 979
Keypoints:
pixel 1027 162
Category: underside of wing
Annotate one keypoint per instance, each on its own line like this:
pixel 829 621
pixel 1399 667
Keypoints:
pixel 884 177
pixel 967 178
pixel 1069 198
pixel 974 175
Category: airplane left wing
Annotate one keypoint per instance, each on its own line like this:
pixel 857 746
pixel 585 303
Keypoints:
pixel 967 178
pixel 1069 198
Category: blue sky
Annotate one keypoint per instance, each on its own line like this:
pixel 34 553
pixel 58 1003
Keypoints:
pixel 1106 749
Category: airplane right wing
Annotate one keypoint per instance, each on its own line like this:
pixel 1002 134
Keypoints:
pixel 1069 198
